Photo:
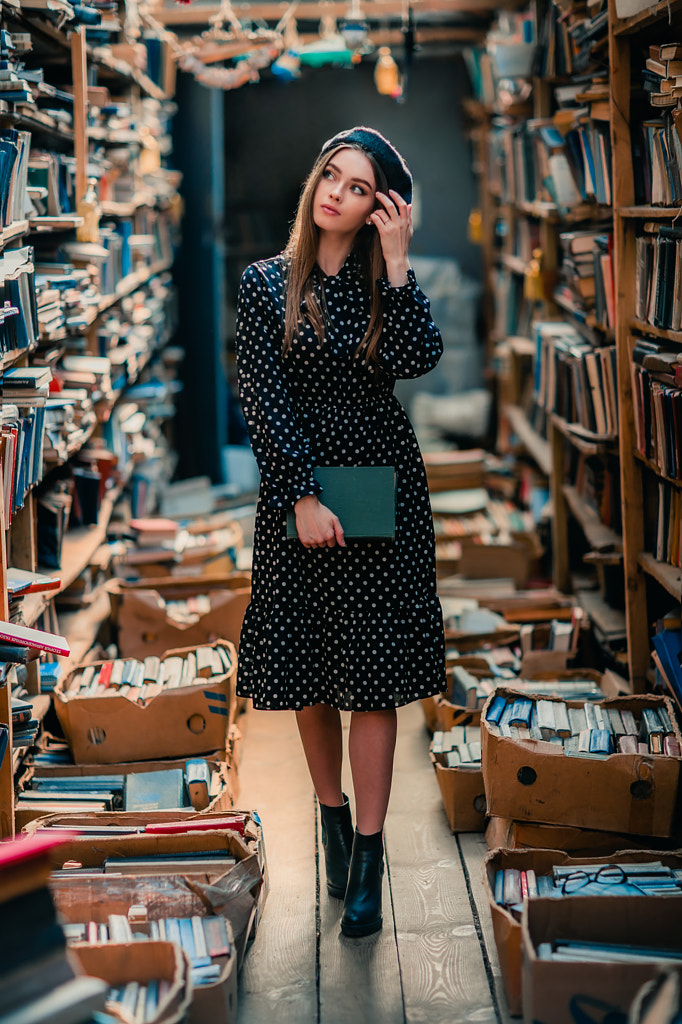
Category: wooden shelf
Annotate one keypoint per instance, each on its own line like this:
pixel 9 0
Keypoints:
pixel 650 212
pixel 46 225
pixel 16 230
pixel 599 536
pixel 588 326
pixel 669 576
pixel 656 469
pixel 528 437
pixel 644 19
pixel 657 332
pixel 590 445
pixel 125 71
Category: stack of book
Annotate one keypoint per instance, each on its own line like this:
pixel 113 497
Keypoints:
pixel 458 747
pixel 657 398
pixel 18 319
pixel 586 275
pixel 658 293
pixel 591 731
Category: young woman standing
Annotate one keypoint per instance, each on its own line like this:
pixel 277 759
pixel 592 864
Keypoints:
pixel 324 331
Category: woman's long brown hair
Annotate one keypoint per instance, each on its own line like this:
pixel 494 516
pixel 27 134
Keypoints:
pixel 301 253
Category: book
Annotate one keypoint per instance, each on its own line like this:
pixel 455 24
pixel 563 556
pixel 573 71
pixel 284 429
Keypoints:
pixel 158 790
pixel 363 497
pixel 25 636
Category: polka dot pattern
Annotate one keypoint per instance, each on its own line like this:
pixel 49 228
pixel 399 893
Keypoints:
pixel 358 628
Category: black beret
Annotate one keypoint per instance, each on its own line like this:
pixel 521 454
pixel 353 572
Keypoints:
pixel 397 172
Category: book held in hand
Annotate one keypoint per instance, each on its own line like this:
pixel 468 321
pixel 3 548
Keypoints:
pixel 363 497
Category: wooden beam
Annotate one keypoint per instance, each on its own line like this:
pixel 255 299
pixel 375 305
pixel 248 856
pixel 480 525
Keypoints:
pixel 80 108
pixel 308 10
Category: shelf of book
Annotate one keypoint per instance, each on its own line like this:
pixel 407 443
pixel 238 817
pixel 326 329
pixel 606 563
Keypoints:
pixel 646 18
pixel 48 225
pixel 589 444
pixel 41 705
pixel 610 622
pixel 35 124
pixel 535 445
pixel 132 282
pixel 585 322
pixel 599 536
pixel 656 332
pixel 13 231
pixel 15 356
pixel 669 576
pixel 656 470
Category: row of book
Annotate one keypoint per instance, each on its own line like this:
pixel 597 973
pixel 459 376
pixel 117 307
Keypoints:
pixel 586 273
pixel 514 885
pixel 572 39
pixel 657 150
pixel 663 74
pixel 575 380
pixel 18 312
pixel 658 292
pixel 165 789
pixel 460 746
pixel 657 401
pixel 667 545
pixel 142 680
pixel 536 160
pixel 587 730
pixel 596 479
pixel 204 939
pixel 21 454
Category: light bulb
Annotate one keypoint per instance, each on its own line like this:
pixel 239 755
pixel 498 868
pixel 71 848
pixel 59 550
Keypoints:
pixel 386 74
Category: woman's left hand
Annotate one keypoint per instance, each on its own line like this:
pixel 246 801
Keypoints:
pixel 394 224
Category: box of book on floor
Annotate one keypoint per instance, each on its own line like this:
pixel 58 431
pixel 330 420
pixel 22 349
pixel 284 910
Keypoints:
pixel 148 982
pixel 511 877
pixel 208 869
pixel 129 710
pixel 583 953
pixel 198 784
pixel 456 758
pixel 154 615
pixel 612 765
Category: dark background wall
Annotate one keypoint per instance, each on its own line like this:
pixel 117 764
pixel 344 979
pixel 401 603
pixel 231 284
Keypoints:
pixel 272 133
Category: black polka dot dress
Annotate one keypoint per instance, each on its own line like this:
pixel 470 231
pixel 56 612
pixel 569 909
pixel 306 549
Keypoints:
pixel 357 628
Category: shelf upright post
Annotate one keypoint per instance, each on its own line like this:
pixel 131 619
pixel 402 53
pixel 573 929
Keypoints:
pixel 624 276
pixel 80 106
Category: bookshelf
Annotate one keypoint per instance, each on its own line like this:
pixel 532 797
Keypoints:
pixel 631 218
pixel 113 305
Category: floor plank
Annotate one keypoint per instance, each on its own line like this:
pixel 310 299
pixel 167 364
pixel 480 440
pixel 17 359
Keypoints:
pixel 442 967
pixel 278 980
pixel 359 978
pixel 473 849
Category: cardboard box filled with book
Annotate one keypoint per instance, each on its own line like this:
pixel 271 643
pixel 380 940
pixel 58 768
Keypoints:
pixel 155 615
pixel 512 877
pixel 456 759
pixel 611 766
pixel 128 710
pixel 578 958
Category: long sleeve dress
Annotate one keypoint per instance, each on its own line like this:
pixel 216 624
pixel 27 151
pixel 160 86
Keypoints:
pixel 358 628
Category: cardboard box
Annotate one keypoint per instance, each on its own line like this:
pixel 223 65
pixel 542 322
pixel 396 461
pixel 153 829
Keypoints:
pixel 120 963
pixel 179 722
pixel 235 894
pixel 531 780
pixel 138 610
pixel 563 993
pixel 507 928
pixel 215 1002
pixel 222 801
pixel 463 796
pixel 515 835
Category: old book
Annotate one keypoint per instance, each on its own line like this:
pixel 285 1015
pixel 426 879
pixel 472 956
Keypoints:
pixel 151 791
pixel 25 636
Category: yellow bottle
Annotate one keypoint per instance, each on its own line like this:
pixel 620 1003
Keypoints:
pixel 89 209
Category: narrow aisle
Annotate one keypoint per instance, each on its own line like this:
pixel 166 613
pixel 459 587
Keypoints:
pixel 427 964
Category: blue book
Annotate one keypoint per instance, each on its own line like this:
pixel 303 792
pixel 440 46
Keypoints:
pixel 363 497
pixel 495 710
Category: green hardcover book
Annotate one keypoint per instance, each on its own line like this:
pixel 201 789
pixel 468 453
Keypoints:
pixel 363 497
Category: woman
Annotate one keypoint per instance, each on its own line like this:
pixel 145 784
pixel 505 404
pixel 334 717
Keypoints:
pixel 324 330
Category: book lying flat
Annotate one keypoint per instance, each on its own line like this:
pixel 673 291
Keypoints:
pixel 363 497
pixel 36 638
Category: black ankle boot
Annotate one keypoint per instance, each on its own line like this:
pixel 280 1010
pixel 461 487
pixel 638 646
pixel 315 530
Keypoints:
pixel 362 906
pixel 337 842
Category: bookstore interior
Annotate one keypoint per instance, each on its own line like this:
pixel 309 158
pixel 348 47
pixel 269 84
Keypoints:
pixel 151 151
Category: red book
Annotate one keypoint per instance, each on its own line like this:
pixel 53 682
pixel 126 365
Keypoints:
pixel 231 824
pixel 524 886
pixel 104 677
pixel 24 636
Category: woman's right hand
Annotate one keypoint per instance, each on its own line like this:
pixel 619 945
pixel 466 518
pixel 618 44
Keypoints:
pixel 316 525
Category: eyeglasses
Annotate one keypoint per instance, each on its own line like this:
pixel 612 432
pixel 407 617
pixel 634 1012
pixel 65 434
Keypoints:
pixel 608 874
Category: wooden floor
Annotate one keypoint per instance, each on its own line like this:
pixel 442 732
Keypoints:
pixel 435 959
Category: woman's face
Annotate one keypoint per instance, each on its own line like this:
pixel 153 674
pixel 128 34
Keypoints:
pixel 345 195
